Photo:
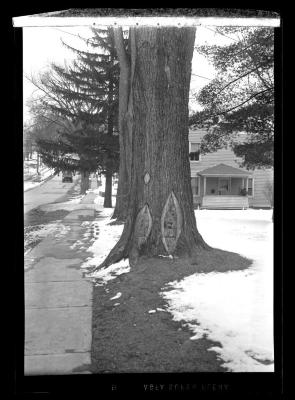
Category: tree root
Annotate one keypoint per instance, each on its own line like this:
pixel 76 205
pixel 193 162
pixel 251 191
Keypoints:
pixel 118 218
pixel 119 251
pixel 128 247
pixel 117 222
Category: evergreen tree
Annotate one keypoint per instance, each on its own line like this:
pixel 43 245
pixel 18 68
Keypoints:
pixel 85 94
pixel 96 74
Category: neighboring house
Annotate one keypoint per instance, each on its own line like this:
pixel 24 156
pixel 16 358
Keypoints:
pixel 219 182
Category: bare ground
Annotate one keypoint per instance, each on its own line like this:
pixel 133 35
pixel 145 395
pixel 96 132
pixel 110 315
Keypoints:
pixel 127 338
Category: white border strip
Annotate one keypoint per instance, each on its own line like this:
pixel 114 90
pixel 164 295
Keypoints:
pixel 32 21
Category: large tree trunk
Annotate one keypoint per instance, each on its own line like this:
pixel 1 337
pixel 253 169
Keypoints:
pixel 37 170
pixel 84 182
pixel 109 168
pixel 160 218
pixel 108 190
pixel 125 128
pixel 123 190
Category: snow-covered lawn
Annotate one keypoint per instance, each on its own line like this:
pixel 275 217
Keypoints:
pixel 32 179
pixel 233 308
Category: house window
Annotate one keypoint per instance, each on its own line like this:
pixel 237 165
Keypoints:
pixel 250 187
pixel 196 186
pixel 194 154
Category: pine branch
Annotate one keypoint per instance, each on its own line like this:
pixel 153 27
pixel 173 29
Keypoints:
pixel 42 89
pixel 56 122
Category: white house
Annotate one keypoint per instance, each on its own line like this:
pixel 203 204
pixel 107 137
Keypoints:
pixel 219 182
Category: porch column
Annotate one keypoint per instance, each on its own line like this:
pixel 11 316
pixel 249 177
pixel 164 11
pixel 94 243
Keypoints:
pixel 247 184
pixel 204 185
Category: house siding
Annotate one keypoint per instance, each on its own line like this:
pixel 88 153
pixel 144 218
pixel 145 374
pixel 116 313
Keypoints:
pixel 262 177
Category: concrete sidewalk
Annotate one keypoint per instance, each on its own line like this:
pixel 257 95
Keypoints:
pixel 58 301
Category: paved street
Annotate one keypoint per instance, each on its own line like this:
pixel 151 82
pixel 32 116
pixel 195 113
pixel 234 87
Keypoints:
pixel 48 192
pixel 58 298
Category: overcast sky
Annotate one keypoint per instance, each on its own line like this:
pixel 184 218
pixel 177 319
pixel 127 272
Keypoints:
pixel 41 46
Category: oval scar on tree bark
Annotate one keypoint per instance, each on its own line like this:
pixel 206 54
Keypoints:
pixel 171 222
pixel 147 178
pixel 143 225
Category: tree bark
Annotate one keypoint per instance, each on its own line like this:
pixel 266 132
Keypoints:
pixel 84 182
pixel 125 133
pixel 108 190
pixel 160 216
pixel 109 169
pixel 123 190
pixel 37 163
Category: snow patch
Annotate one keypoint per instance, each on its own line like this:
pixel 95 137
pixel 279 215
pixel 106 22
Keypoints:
pixel 35 233
pixel 62 231
pixel 108 237
pixel 106 274
pixel 233 308
pixel 119 294
pixel 76 199
pixel 169 256
pixel 31 178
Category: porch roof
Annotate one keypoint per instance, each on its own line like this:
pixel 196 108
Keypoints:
pixel 224 170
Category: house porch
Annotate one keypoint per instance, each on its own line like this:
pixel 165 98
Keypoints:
pixel 223 187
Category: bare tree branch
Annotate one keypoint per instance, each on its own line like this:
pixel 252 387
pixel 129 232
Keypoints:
pixel 239 105
pixel 238 78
